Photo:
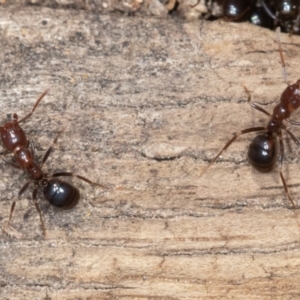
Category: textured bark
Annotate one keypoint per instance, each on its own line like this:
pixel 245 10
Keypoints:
pixel 145 104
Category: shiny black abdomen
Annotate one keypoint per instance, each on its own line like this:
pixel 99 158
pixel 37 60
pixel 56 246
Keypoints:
pixel 61 194
pixel 262 153
pixel 236 9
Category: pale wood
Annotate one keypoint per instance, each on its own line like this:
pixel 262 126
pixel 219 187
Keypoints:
pixel 160 8
pixel 145 105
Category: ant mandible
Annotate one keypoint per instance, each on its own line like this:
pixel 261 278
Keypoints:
pixel 59 193
pixel 262 152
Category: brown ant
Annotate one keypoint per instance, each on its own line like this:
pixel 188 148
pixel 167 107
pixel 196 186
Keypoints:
pixel 59 193
pixel 262 152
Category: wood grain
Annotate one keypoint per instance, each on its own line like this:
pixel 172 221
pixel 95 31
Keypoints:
pixel 145 104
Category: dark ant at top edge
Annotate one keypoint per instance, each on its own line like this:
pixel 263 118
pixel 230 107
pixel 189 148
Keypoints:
pixel 284 13
pixel 58 193
pixel 262 152
pixel 264 13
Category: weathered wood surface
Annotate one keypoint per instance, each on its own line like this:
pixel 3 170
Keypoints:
pixel 145 104
pixel 185 9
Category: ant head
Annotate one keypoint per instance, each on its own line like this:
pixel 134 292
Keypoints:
pixel 290 97
pixel 12 135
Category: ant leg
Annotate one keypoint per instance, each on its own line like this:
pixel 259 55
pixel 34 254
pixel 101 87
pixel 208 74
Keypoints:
pixel 34 107
pixel 192 6
pixel 281 155
pixel 268 11
pixel 10 162
pixel 32 148
pixel 248 93
pixel 58 174
pixel 248 130
pixel 12 208
pixel 5 151
pixel 296 141
pixel 293 122
pixel 34 194
pixel 281 56
pixel 297 23
pixel 50 149
pixel 254 105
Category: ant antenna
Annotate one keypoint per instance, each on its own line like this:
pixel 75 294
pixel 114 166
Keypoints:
pixel 281 56
pixel 35 106
pixel 192 6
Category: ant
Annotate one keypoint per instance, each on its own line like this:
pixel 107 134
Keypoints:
pixel 229 9
pixel 286 14
pixel 264 13
pixel 59 193
pixel 262 150
pixel 238 11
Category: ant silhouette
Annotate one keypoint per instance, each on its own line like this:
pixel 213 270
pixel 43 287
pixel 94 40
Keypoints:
pixel 58 193
pixel 262 149
pixel 285 13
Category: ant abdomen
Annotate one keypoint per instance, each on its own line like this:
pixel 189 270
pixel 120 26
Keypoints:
pixel 262 153
pixel 61 194
pixel 287 8
pixel 235 9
